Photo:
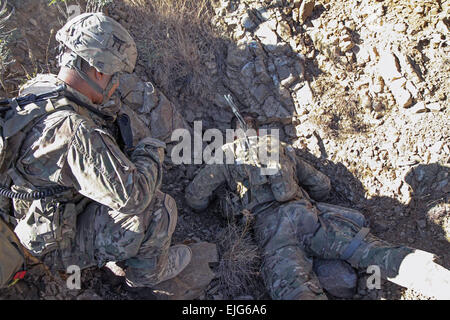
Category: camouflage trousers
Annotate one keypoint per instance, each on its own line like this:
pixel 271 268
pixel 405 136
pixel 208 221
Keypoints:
pixel 292 233
pixel 140 242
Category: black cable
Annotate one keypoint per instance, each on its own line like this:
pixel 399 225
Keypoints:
pixel 32 195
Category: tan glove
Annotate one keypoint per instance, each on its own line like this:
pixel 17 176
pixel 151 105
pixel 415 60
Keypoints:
pixel 157 144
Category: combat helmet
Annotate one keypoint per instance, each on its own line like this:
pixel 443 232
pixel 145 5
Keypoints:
pixel 100 41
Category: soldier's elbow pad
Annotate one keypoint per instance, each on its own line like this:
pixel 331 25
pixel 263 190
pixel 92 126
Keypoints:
pixel 284 187
pixel 325 186
pixel 137 205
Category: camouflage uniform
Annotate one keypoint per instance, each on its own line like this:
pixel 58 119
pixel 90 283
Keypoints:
pixel 114 211
pixel 155 111
pixel 108 206
pixel 289 226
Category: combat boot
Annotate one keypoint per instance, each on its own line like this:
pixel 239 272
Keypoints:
pixel 179 257
pixel 150 272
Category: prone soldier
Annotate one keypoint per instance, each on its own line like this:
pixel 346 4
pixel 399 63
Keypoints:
pixel 291 224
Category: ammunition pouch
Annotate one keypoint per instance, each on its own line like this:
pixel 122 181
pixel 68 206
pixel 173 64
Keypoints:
pixel 11 255
pixel 47 226
pixel 284 184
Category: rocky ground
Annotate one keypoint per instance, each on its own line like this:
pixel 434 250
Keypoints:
pixel 360 88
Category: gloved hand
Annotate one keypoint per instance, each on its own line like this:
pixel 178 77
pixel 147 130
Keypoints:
pixel 316 183
pixel 157 145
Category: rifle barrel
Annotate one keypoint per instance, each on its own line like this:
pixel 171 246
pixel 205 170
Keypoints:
pixel 236 112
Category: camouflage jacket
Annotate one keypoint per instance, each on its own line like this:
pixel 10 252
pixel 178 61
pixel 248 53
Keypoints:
pixel 255 190
pixel 76 148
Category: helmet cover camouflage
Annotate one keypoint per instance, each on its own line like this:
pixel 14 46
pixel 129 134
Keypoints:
pixel 101 41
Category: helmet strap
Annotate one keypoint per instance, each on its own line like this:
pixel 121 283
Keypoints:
pixel 112 82
pixel 77 67
pixel 74 62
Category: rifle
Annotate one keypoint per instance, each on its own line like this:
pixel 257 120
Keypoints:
pixel 251 148
pixel 6 104
pixel 244 126
pixel 236 112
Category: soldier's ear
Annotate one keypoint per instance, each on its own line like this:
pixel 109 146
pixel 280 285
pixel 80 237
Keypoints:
pixel 98 75
pixel 101 78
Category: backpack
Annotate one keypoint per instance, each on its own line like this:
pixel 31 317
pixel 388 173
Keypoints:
pixel 17 116
pixel 11 252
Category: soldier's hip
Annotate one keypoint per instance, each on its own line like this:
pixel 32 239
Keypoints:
pixel 103 234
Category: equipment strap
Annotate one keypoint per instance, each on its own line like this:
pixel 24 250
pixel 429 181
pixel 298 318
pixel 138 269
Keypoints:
pixel 77 101
pixel 124 124
pixel 355 243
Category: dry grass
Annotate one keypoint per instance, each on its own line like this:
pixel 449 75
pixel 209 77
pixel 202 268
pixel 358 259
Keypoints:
pixel 175 41
pixel 5 37
pixel 239 265
pixel 340 112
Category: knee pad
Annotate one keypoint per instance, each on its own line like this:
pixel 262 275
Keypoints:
pixel 171 207
pixel 163 218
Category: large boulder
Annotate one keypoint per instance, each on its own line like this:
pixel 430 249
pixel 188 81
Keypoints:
pixel 193 280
